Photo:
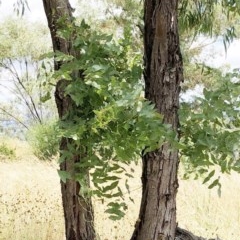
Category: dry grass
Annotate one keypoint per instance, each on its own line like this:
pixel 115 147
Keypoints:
pixel 22 149
pixel 30 205
pixel 204 212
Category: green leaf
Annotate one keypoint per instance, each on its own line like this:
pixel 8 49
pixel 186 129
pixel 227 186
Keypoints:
pixel 64 175
pixel 129 175
pixel 111 186
pixel 46 97
pixel 219 190
pixel 214 183
pixel 210 175
pixel 62 57
pixel 114 209
pixel 127 186
pixel 94 84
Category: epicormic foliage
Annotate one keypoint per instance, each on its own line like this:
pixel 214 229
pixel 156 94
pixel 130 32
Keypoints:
pixel 111 123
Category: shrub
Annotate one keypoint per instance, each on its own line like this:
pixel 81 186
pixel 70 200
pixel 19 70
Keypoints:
pixel 44 140
pixel 6 151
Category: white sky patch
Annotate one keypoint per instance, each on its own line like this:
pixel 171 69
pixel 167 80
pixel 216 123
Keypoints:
pixel 92 9
pixel 5 91
pixel 191 94
pixel 233 54
pixel 36 12
pixel 214 54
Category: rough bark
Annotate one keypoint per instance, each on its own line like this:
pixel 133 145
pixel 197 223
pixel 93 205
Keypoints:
pixel 182 234
pixel 163 75
pixel 78 211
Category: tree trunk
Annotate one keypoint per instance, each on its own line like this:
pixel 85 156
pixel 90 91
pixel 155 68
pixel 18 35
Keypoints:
pixel 163 75
pixel 78 212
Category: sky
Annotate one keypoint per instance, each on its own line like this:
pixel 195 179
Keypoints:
pixel 220 58
pixel 36 12
pixel 233 56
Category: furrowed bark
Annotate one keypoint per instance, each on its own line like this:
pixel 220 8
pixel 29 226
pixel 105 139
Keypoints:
pixel 78 212
pixel 162 75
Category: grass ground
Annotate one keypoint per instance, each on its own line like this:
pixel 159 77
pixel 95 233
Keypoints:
pixel 30 204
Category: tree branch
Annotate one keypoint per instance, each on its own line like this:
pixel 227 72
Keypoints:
pixel 13 117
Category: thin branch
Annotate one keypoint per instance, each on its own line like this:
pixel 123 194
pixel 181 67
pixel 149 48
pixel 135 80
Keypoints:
pixel 13 117
pixel 24 88
pixel 202 45
pixel 26 101
pixel 11 90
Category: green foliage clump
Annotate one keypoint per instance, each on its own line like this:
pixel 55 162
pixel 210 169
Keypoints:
pixel 110 124
pixel 211 130
pixel 44 140
pixel 7 152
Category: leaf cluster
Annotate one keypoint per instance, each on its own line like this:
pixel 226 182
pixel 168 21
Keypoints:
pixel 111 123
pixel 211 130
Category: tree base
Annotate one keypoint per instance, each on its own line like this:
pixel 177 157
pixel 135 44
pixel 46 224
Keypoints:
pixel 182 234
